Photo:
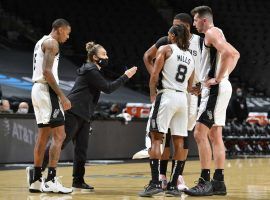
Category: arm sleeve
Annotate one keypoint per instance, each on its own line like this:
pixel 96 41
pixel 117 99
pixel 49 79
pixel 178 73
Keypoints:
pixel 162 41
pixel 97 81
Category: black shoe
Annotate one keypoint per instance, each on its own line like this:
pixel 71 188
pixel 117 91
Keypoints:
pixel 219 187
pixel 79 184
pixel 203 188
pixel 151 189
pixel 172 191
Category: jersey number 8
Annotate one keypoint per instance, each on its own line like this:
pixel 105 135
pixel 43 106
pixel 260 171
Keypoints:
pixel 181 73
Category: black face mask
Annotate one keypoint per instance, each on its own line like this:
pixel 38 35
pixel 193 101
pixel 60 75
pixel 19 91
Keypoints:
pixel 103 62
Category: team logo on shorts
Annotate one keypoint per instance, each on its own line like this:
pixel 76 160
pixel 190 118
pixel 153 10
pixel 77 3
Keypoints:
pixel 55 113
pixel 210 114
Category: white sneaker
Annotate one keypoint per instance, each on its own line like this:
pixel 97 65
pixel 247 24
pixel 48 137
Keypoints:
pixel 141 154
pixel 55 186
pixel 164 181
pixel 29 175
pixel 36 186
pixel 181 185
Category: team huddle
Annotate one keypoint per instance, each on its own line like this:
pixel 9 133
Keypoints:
pixel 182 67
pixel 186 66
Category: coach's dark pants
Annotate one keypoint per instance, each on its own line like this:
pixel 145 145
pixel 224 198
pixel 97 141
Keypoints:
pixel 77 130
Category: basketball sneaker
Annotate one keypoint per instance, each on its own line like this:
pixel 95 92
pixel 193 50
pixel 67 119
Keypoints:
pixel 151 189
pixel 203 188
pixel 141 154
pixel 219 187
pixel 164 181
pixel 181 185
pixel 172 191
pixel 29 175
pixel 55 186
pixel 33 186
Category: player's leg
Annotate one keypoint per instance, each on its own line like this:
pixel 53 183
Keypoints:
pixel 154 186
pixel 215 136
pixel 57 121
pixel 71 127
pixel 178 161
pixel 34 175
pixel 192 116
pixel 219 159
pixel 52 183
pixel 158 124
pixel 42 110
pixel 165 157
pixel 204 123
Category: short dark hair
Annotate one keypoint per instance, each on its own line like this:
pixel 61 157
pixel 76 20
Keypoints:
pixel 184 17
pixel 202 11
pixel 60 23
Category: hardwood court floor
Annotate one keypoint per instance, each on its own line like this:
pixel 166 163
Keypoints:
pixel 245 179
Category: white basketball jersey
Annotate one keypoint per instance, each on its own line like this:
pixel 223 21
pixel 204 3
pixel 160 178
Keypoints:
pixel 210 62
pixel 38 61
pixel 195 50
pixel 177 69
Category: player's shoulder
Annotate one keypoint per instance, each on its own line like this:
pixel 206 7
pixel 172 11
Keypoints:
pixel 50 43
pixel 164 47
pixel 213 32
pixel 162 41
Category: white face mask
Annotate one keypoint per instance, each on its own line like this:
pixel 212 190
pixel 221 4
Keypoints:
pixel 22 110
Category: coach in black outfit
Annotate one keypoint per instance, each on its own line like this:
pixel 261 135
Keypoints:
pixel 84 97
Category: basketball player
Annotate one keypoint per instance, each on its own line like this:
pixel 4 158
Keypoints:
pixel 176 65
pixel 219 58
pixel 84 97
pixel 48 102
pixel 195 50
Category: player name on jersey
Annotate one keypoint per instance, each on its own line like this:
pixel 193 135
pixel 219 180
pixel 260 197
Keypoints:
pixel 183 59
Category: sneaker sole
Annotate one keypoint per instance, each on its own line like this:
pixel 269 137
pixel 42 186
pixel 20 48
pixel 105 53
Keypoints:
pixel 34 191
pixel 150 195
pixel 172 195
pixel 222 193
pixel 198 195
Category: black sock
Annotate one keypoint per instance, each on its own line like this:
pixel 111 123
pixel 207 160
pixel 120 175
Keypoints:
pixel 154 165
pixel 205 174
pixel 163 167
pixel 175 171
pixel 182 166
pixel 219 175
pixel 51 173
pixel 37 173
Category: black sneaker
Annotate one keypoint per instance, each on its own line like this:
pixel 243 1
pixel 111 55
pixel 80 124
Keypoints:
pixel 81 185
pixel 151 189
pixel 203 188
pixel 172 191
pixel 219 187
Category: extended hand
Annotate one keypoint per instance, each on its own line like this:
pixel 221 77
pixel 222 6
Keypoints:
pixel 130 72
